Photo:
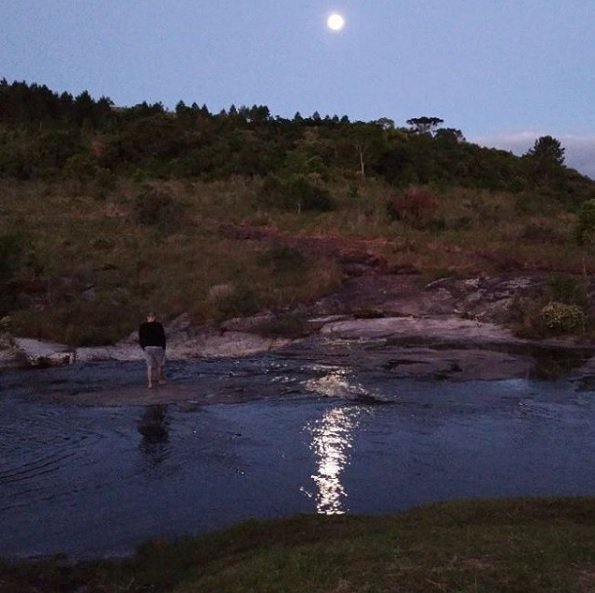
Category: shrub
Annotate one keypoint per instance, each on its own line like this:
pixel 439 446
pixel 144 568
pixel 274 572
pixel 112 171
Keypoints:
pixel 542 232
pixel 12 251
pixel 77 323
pixel 283 258
pixel 417 206
pixel 157 208
pixel 53 148
pixel 569 291
pixel 239 301
pixel 560 318
pixel 101 243
pixel 297 193
pixel 308 196
pixel 288 325
pixel 80 166
pixel 585 229
pixel 529 202
pixel 436 225
pixel 462 223
pixel 105 180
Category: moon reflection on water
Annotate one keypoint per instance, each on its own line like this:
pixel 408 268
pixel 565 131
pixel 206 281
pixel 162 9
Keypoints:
pixel 332 439
pixel 70 473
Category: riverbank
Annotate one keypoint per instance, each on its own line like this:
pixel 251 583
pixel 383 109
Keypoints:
pixel 528 545
pixel 451 329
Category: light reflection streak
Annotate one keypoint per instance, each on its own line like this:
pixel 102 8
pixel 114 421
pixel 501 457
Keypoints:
pixel 332 440
pixel 335 383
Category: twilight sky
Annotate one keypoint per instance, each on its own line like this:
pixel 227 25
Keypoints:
pixel 502 71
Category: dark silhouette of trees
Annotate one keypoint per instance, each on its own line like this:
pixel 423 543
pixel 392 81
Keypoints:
pixel 424 124
pixel 25 104
pixel 546 158
pixel 449 136
pixel 547 150
pixel 46 134
pixel 367 141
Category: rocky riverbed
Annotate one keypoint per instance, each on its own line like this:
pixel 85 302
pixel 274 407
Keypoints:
pixel 448 329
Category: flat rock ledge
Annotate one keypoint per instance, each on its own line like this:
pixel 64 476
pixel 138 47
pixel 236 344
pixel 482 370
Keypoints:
pixel 444 348
pixel 189 343
pixel 444 328
pixel 26 352
pixel 449 313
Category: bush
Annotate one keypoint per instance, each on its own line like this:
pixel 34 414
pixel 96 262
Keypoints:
pixel 52 150
pixel 417 206
pixel 20 268
pixel 80 166
pixel 436 225
pixel 157 208
pixel 560 318
pixel 462 223
pixel 288 325
pixel 77 323
pixel 585 229
pixel 529 202
pixel 12 252
pixel 283 258
pixel 569 291
pixel 296 193
pixel 239 301
pixel 105 180
pixel 542 232
pixel 101 243
pixel 308 196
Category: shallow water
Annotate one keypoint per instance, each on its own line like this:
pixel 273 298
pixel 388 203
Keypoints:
pixel 311 438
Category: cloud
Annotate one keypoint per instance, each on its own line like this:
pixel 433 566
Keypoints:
pixel 579 150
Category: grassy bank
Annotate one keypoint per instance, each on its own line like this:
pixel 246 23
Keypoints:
pixel 83 267
pixel 519 546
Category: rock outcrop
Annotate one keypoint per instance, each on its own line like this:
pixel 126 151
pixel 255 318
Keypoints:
pixel 466 315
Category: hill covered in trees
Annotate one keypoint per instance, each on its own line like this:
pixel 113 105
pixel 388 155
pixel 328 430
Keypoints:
pixel 109 210
pixel 48 135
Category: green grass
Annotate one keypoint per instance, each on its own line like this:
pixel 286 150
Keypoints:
pixel 516 546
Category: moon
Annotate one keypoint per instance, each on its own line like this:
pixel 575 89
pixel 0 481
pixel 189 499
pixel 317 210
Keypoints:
pixel 335 22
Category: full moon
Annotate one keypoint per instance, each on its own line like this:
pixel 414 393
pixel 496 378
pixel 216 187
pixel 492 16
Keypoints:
pixel 335 22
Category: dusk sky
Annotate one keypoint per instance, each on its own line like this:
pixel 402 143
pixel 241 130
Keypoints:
pixel 504 72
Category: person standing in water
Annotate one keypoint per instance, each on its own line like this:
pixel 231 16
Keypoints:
pixel 151 337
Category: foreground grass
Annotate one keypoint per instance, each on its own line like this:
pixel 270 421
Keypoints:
pixel 520 546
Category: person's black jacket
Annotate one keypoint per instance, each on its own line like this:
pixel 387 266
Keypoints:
pixel 151 333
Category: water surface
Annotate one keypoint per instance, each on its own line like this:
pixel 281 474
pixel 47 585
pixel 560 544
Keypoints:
pixel 310 437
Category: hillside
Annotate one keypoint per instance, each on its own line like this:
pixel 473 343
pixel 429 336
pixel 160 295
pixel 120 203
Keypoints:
pixel 108 212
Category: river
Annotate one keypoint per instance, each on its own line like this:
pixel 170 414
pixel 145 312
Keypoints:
pixel 303 436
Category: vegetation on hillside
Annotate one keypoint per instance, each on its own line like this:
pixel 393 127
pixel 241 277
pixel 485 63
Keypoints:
pixel 108 211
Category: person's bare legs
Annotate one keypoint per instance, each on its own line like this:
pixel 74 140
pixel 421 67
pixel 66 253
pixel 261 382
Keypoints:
pixel 149 377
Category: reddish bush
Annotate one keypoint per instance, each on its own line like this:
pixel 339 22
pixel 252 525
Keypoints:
pixel 416 206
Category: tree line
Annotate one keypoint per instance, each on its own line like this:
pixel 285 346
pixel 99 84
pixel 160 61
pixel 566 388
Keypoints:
pixel 48 135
